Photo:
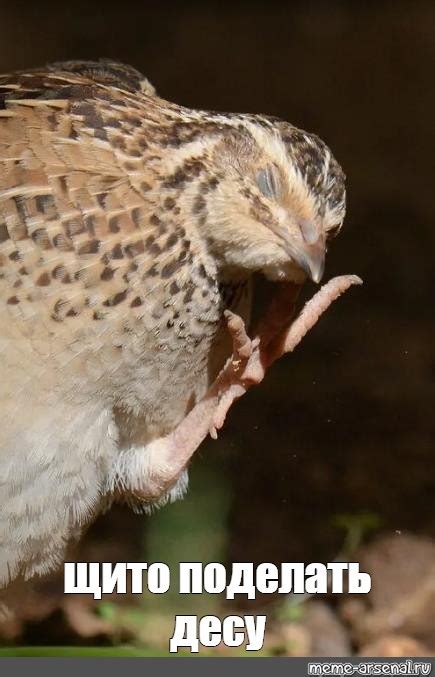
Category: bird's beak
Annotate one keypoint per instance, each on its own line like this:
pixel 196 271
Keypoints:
pixel 311 258
pixel 308 252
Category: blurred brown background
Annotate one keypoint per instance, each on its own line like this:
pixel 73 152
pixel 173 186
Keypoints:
pixel 346 424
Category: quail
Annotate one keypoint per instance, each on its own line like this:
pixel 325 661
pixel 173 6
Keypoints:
pixel 130 230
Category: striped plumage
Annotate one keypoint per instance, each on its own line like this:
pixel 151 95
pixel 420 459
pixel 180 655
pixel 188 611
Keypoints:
pixel 128 225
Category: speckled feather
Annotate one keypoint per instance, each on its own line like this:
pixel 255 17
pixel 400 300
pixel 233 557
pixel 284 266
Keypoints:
pixel 128 225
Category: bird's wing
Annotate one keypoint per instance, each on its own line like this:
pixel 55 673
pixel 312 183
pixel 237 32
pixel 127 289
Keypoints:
pixel 74 217
pixel 108 72
pixel 38 83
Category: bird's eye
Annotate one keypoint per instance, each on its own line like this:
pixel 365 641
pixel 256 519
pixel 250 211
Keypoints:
pixel 268 181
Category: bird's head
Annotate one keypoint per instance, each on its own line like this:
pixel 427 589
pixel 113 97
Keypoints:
pixel 280 198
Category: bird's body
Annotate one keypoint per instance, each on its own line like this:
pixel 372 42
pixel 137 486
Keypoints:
pixel 125 233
